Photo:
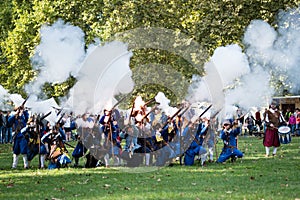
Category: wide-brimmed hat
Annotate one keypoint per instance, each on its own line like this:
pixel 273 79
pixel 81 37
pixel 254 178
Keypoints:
pixel 227 122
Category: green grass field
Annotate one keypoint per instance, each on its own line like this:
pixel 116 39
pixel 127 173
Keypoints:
pixel 253 177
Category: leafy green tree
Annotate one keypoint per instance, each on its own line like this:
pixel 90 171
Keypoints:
pixel 211 24
pixel 27 17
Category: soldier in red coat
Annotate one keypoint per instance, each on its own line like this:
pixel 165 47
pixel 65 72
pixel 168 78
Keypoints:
pixel 273 119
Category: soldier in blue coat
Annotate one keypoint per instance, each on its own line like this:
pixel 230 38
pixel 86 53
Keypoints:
pixel 18 121
pixel 54 142
pixel 228 134
pixel 196 147
pixel 111 130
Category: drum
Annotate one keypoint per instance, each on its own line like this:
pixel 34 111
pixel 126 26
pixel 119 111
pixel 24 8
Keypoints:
pixel 284 134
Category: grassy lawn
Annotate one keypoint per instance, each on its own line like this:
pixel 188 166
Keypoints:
pixel 253 177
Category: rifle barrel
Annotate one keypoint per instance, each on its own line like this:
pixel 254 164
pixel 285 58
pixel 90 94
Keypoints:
pixel 150 101
pixel 62 115
pixel 175 114
pixel 181 113
pixel 205 110
pixel 122 99
pixel 69 145
pixel 45 116
pixel 23 104
pixel 150 111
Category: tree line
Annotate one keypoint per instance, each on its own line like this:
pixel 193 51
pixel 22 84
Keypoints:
pixel 210 23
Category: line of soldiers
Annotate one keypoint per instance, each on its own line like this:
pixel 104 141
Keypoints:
pixel 32 137
pixel 139 139
pixel 155 140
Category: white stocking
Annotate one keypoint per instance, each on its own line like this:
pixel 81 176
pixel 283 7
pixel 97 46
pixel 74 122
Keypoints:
pixel 42 157
pixel 147 159
pixel 26 165
pixel 267 151
pixel 15 160
pixel 203 158
pixel 106 160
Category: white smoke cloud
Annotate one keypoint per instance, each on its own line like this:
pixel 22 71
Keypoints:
pixel 164 104
pixel 253 90
pixel 278 50
pixel 43 106
pixel 222 71
pixel 260 35
pixel 246 77
pixel 198 90
pixel 288 44
pixel 59 54
pixel 17 99
pixel 230 62
pixel 3 91
pixel 4 98
pixel 101 72
pixel 104 74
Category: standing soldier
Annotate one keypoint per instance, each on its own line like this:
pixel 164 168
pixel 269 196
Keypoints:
pixel 273 118
pixel 8 129
pixel 2 128
pixel 110 129
pixel 19 121
pixel 84 127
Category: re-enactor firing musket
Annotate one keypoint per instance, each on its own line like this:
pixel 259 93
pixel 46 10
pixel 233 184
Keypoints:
pixel 111 112
pixel 180 133
pixel 145 116
pixel 38 128
pixel 57 125
pixel 141 111
pixel 212 128
pixel 194 138
pixel 21 107
pixel 58 147
pixel 109 122
pixel 164 126
pixel 171 118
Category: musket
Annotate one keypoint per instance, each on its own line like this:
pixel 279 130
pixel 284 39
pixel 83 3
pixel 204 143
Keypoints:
pixel 62 115
pixel 174 115
pixel 131 112
pixel 45 116
pixel 58 109
pixel 23 104
pixel 184 110
pixel 122 99
pixel 150 101
pixel 205 110
pixel 150 112
pixel 38 123
pixel 212 117
pixel 69 145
